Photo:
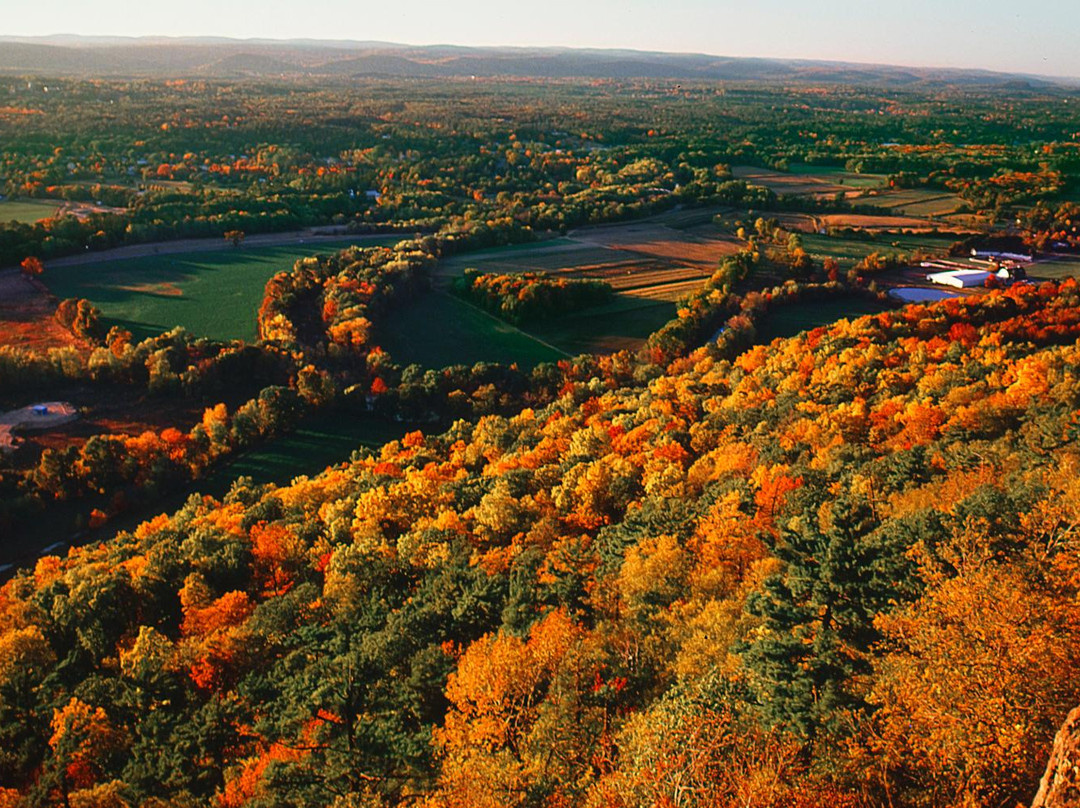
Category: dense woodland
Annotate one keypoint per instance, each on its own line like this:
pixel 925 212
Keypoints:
pixel 841 568
pixel 529 296
pixel 786 576
pixel 188 158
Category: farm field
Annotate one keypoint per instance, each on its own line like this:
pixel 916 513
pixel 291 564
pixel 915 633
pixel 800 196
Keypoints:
pixel 620 325
pixel 918 202
pixel 26 211
pixel 787 321
pixel 781 183
pixel 318 442
pixel 1056 268
pixel 645 259
pixel 650 265
pixel 437 330
pixel 212 294
pixel 874 223
pixel 849 252
pixel 837 174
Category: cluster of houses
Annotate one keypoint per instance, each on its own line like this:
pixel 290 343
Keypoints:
pixel 1006 267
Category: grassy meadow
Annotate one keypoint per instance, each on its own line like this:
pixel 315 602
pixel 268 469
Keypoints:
pixel 787 321
pixel 849 252
pixel 436 330
pixel 25 210
pixel 321 441
pixel 212 294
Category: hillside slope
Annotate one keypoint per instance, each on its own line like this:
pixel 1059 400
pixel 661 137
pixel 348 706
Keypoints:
pixel 170 57
pixel 841 569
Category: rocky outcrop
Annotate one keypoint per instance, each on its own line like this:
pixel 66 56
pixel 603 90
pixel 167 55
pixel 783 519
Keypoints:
pixel 1060 786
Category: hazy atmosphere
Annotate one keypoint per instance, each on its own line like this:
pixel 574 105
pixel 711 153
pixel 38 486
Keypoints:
pixel 995 35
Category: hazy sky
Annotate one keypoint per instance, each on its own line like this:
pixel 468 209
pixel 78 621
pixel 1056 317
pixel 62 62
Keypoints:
pixel 1035 36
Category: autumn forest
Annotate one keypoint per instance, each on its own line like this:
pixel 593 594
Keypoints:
pixel 669 478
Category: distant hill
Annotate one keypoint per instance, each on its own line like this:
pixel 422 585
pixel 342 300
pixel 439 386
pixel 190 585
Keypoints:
pixel 226 58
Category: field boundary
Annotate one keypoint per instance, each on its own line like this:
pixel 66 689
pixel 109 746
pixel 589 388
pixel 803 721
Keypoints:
pixel 501 321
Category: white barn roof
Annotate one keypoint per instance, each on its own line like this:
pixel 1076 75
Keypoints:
pixel 960 278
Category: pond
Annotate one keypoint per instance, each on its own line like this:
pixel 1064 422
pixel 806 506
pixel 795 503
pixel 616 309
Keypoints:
pixel 918 294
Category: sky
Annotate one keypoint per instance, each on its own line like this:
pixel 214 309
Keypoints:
pixel 1029 36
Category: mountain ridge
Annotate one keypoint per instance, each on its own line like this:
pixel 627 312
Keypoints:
pixel 225 57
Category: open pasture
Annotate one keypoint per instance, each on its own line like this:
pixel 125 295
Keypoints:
pixel 26 211
pixel 838 175
pixel 657 241
pixel 781 183
pixel 622 324
pixel 1055 268
pixel 849 252
pixel 212 294
pixel 917 202
pixel 437 330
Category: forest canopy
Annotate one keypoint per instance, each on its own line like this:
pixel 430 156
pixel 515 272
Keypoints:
pixel 789 575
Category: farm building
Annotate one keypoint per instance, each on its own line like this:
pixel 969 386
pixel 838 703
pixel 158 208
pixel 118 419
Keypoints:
pixel 996 255
pixel 960 278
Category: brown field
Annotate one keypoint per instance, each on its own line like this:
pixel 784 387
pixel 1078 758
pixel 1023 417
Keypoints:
pixel 658 241
pixel 875 222
pixel 26 315
pixel 650 259
pixel 780 183
pixel 166 289
pixel 655 278
pixel 917 202
pixel 615 270
pixel 631 276
pixel 670 292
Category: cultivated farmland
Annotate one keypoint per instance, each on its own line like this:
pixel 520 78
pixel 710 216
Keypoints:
pixel 849 251
pixel 818 184
pixel 26 210
pixel 213 294
pixel 650 265
pixel 437 330
pixel 917 202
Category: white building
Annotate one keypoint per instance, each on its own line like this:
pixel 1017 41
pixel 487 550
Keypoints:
pixel 960 278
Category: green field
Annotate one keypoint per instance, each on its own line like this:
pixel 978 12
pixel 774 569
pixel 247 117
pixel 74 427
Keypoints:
pixel 787 321
pixel 622 324
pixel 1056 269
pixel 529 252
pixel 437 330
pixel 319 442
pixel 26 211
pixel 918 202
pixel 212 294
pixel 849 252
pixel 838 175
